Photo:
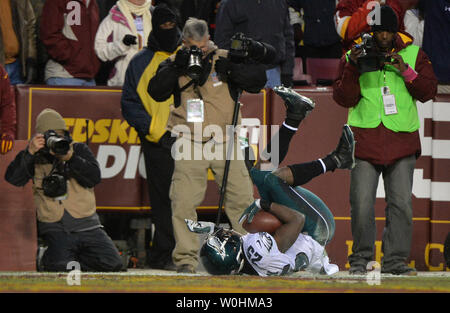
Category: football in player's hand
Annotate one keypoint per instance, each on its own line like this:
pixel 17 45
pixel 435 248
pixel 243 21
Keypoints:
pixel 262 222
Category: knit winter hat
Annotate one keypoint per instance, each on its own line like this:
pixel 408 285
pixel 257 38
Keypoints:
pixel 49 119
pixel 388 20
pixel 162 14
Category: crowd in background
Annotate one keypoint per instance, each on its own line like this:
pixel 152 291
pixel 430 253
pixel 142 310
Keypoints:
pixel 44 42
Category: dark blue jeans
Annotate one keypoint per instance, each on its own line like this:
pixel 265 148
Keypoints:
pixel 14 72
pixel 93 249
pixel 397 235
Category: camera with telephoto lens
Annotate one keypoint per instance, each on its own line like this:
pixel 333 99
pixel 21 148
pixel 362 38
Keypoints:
pixel 194 67
pixel 243 49
pixel 370 59
pixel 59 146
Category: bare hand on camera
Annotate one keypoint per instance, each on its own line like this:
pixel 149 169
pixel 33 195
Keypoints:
pixel 36 144
pixel 397 62
pixel 64 157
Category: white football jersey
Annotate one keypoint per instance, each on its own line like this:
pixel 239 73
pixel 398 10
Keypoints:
pixel 262 252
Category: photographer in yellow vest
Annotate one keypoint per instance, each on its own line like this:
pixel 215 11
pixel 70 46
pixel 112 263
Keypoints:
pixel 380 80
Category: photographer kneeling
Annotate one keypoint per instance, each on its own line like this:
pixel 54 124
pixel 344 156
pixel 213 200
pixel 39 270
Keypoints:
pixel 199 76
pixel 64 174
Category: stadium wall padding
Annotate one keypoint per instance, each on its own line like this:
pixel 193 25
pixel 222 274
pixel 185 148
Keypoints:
pixel 123 187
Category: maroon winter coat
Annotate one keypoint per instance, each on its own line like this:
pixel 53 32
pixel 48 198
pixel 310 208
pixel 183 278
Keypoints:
pixel 77 56
pixel 7 106
pixel 380 145
pixel 358 10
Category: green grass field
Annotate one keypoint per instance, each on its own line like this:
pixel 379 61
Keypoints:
pixel 169 282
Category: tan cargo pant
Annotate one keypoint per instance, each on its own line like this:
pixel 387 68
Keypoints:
pixel 187 191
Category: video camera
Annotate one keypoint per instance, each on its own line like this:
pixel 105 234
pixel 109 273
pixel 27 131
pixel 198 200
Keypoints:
pixel 370 59
pixel 244 49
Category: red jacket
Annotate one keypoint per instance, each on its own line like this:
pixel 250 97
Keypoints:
pixel 73 48
pixel 351 18
pixel 7 105
pixel 381 145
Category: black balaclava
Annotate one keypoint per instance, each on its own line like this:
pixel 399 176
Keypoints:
pixel 168 39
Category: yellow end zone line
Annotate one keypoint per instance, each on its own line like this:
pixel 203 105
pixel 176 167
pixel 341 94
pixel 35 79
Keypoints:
pixel 30 96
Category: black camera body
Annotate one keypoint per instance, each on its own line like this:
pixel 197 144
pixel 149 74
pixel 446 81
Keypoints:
pixel 59 146
pixel 244 49
pixel 194 67
pixel 55 186
pixel 240 47
pixel 370 59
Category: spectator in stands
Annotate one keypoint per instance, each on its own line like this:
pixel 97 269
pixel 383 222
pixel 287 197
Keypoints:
pixel 320 39
pixel 351 18
pixel 385 122
pixel 210 103
pixel 41 52
pixel 436 40
pixel 122 34
pixel 149 118
pixel 202 9
pixel 18 40
pixel 414 22
pixel 7 113
pixel 104 6
pixel 173 5
pixel 68 33
pixel 67 218
pixel 266 21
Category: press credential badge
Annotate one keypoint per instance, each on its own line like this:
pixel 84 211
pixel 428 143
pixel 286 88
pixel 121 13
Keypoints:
pixel 195 110
pixel 389 104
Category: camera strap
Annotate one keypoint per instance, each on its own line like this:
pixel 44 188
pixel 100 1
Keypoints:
pixel 58 167
pixel 390 107
pixel 187 85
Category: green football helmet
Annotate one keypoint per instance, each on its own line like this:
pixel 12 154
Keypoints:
pixel 221 254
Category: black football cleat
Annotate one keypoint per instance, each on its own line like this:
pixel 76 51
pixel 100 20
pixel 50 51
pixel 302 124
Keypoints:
pixel 297 106
pixel 344 155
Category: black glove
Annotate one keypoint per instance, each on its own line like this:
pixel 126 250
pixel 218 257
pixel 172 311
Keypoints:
pixel 182 58
pixel 129 40
pixel 286 80
pixel 256 49
pixel 166 141
pixel 223 68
